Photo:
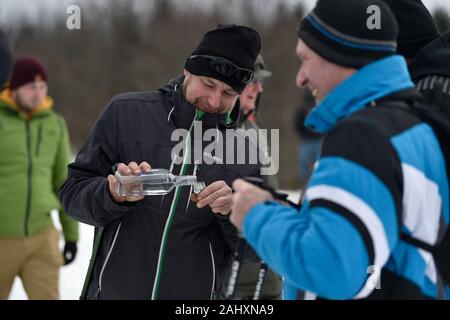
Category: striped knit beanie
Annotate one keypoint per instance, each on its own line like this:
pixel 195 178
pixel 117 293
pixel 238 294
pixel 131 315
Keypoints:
pixel 344 31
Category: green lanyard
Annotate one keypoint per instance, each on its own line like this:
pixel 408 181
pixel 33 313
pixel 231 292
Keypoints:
pixel 201 113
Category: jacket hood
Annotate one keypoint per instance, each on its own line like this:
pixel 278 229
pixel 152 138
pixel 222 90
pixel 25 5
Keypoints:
pixel 433 59
pixel 182 112
pixel 6 98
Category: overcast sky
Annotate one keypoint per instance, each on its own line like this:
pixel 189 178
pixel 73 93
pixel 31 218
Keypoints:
pixel 10 9
pixel 431 4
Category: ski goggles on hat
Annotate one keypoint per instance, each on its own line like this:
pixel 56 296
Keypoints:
pixel 227 68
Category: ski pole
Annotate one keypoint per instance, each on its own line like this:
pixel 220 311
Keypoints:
pixel 239 254
pixel 278 196
pixel 235 269
pixel 261 280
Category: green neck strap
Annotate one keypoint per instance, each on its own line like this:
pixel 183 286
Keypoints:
pixel 229 118
pixel 200 113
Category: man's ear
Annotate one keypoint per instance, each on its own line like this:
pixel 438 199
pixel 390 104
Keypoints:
pixel 185 72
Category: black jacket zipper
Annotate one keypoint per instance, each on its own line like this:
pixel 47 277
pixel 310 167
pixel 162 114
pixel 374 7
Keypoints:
pixel 30 170
pixel 39 139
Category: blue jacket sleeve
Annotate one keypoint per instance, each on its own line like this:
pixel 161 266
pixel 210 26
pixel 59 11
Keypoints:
pixel 315 250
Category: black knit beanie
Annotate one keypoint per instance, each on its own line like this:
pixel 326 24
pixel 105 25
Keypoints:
pixel 238 44
pixel 338 31
pixel 416 25
pixel 5 59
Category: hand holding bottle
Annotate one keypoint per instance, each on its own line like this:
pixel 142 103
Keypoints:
pixel 132 169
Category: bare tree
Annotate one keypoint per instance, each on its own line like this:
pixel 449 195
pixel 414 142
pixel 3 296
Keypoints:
pixel 120 49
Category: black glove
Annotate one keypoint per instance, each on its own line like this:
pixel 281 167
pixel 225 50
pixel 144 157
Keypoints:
pixel 70 251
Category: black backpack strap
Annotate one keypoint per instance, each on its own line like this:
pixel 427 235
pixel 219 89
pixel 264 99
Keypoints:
pixel 436 253
pixel 418 243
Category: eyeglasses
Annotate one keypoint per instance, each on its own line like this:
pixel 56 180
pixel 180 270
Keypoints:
pixel 228 68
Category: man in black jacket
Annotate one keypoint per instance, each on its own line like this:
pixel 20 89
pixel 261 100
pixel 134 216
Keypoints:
pixel 427 52
pixel 430 71
pixel 166 247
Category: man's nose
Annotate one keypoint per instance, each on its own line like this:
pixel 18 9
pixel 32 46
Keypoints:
pixel 214 100
pixel 301 79
pixel 38 95
pixel 259 87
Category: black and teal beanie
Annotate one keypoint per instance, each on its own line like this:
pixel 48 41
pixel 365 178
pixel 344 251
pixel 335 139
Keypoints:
pixel 344 31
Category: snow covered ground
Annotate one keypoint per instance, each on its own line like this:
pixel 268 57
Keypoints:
pixel 72 276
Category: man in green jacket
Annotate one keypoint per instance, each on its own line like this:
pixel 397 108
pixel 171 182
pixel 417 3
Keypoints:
pixel 34 153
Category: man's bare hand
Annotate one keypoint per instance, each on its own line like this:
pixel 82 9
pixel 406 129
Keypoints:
pixel 132 169
pixel 245 197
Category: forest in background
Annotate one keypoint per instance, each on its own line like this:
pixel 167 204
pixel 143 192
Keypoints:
pixel 121 49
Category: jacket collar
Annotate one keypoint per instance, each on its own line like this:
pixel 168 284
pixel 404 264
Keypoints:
pixel 183 113
pixel 368 84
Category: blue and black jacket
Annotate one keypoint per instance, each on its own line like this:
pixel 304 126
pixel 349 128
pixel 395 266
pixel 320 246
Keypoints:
pixel 381 172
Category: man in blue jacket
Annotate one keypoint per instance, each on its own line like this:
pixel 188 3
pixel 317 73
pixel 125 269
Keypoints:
pixel 381 173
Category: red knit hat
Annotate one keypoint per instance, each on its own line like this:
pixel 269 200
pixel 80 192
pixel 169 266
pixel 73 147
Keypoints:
pixel 26 70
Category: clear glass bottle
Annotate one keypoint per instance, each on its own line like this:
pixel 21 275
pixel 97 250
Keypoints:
pixel 157 182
